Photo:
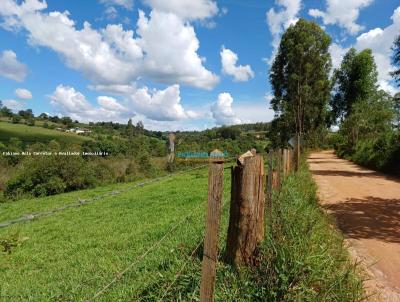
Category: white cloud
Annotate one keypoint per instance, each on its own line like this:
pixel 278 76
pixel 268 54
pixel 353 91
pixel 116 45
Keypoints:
pixel 187 10
pixel 177 60
pixel 380 42
pixel 229 66
pixel 74 104
pixel 128 4
pixel 337 53
pixel 160 105
pixel 114 56
pixel 343 13
pixel 257 112
pixel 110 103
pixel 23 94
pixel 222 110
pixel 115 89
pixel 14 105
pixel 111 13
pixel 11 68
pixel 156 105
pixel 279 21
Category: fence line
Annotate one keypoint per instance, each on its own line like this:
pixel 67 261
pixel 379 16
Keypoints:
pixel 177 275
pixel 142 256
pixel 81 202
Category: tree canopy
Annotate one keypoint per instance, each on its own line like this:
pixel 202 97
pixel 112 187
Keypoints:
pixel 355 81
pixel 300 79
pixel 396 60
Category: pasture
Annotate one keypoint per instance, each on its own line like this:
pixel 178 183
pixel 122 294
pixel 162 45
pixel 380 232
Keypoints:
pixel 33 134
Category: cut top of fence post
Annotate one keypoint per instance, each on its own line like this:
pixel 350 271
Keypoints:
pixel 217 156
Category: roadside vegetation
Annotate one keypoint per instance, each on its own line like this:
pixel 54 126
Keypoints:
pixel 368 118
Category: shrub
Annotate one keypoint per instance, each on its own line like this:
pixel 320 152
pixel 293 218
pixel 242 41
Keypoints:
pixel 48 175
pixel 30 122
pixel 16 119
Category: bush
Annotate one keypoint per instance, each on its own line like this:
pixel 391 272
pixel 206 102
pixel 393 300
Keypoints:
pixel 30 122
pixel 48 175
pixel 16 119
pixel 379 153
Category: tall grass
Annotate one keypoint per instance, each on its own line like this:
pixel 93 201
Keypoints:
pixel 302 258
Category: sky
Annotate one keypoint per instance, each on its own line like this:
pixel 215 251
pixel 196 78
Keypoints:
pixel 173 64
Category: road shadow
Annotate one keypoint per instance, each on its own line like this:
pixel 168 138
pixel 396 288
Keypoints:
pixel 344 173
pixel 368 218
pixel 359 172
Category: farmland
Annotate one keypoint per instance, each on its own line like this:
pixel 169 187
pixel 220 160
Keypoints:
pixel 33 134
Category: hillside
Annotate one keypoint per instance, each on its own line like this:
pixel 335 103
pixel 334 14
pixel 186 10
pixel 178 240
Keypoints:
pixel 33 134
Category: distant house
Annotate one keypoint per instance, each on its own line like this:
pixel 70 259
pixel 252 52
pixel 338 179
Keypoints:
pixel 78 131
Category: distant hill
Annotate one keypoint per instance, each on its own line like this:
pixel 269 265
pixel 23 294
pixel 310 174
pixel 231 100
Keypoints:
pixel 32 134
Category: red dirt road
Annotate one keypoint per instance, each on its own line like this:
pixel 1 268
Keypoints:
pixel 366 207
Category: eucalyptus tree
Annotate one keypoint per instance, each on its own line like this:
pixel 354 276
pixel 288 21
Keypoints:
pixel 300 79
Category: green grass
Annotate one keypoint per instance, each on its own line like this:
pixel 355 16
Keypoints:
pixel 70 256
pixel 33 134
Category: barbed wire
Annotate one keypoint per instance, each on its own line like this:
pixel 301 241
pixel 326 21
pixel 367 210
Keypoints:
pixel 142 256
pixel 179 272
pixel 177 275
pixel 81 202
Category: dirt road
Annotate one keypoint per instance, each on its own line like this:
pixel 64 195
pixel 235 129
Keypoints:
pixel 366 208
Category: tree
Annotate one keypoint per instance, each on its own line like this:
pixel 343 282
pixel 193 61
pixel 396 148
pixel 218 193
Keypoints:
pixel 300 79
pixel 396 60
pixel 16 119
pixel 6 112
pixel 43 116
pixel 355 81
pixel 139 127
pixel 130 129
pixel 67 121
pixel 26 114
pixel 30 122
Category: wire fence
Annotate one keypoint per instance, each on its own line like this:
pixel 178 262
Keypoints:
pixel 81 202
pixel 153 247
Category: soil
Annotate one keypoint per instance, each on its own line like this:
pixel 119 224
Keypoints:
pixel 365 206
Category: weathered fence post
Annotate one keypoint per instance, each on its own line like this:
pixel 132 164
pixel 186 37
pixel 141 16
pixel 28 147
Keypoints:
pixel 297 153
pixel 246 221
pixel 285 162
pixel 275 182
pixel 290 160
pixel 269 187
pixel 215 192
pixel 278 168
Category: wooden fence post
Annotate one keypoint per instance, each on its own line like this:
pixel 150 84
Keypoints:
pixel 284 162
pixel 275 182
pixel 297 153
pixel 278 168
pixel 208 269
pixel 269 187
pixel 246 221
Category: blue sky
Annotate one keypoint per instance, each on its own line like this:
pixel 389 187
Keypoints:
pixel 174 64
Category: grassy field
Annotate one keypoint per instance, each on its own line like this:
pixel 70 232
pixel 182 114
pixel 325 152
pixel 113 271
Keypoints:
pixel 72 255
pixel 32 134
